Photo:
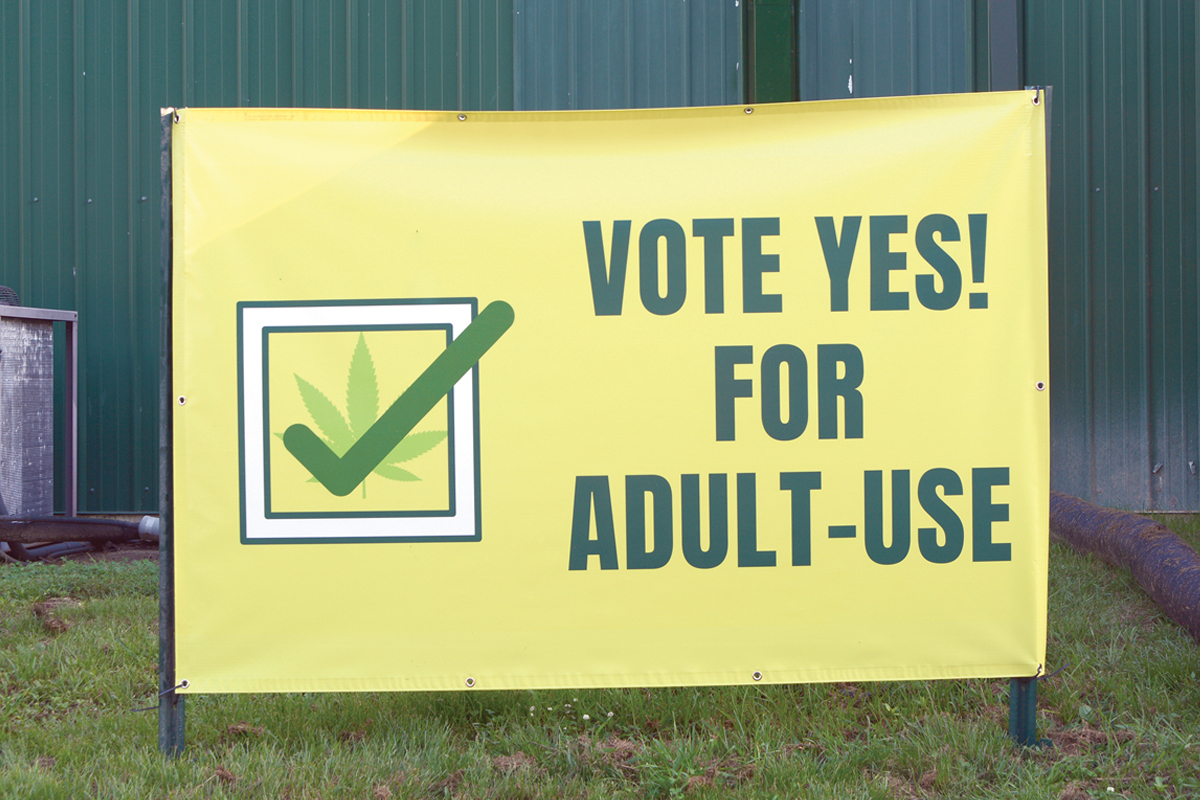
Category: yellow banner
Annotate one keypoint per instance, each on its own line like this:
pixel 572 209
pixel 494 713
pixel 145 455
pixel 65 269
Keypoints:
pixel 623 398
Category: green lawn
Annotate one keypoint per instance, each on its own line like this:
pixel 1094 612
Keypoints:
pixel 1124 715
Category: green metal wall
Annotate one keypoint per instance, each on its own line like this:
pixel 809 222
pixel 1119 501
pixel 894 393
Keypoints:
pixel 1123 256
pixel 1124 330
pixel 81 84
pixel 627 53
pixel 876 48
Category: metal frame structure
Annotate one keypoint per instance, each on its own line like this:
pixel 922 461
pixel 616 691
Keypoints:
pixel 171 719
pixel 70 417
pixel 771 29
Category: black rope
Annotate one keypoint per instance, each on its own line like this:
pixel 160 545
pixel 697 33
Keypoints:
pixel 164 693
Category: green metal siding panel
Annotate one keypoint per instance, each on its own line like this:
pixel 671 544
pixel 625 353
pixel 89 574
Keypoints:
pixel 1123 259
pixel 11 119
pixel 772 51
pixel 106 270
pixel 82 85
pixel 865 48
pixel 982 66
pixel 435 45
pixel 1070 197
pixel 626 54
pixel 1174 389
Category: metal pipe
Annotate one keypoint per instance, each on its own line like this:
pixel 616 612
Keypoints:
pixel 15 549
pixel 35 530
pixel 148 528
pixel 172 716
pixel 58 549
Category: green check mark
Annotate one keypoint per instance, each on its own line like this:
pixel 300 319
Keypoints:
pixel 341 475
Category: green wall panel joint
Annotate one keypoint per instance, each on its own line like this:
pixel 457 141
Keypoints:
pixel 771 53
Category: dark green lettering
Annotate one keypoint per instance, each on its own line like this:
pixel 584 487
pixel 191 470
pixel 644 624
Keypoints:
pixel 636 489
pixel 838 258
pixel 714 232
pixel 592 491
pixel 984 512
pixel 977 227
pixel 884 261
pixel 830 387
pixel 718 521
pixel 729 387
pixel 747 521
pixel 942 514
pixel 940 260
pixel 772 411
pixel 608 283
pixel 901 517
pixel 755 263
pixel 672 301
pixel 801 485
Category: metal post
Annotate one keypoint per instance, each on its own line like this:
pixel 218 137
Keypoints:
pixel 170 705
pixel 1022 711
pixel 1004 44
pixel 71 421
pixel 769 43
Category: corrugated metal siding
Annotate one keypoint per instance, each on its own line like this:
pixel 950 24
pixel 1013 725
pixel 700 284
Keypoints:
pixel 1123 251
pixel 82 83
pixel 26 415
pixel 867 48
pixel 626 54
pixel 348 54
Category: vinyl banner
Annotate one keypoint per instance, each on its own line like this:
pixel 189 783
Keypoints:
pixel 620 398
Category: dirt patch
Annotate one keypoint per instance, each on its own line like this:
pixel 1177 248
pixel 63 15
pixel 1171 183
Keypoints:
pixel 1137 616
pixel 239 730
pixel 1075 741
pixel 1080 790
pixel 850 695
pixel 808 745
pixel 855 733
pixel 351 737
pixel 47 613
pixel 448 785
pixel 900 788
pixel 995 714
pixel 928 780
pixel 517 762
pixel 727 772
pixel 613 753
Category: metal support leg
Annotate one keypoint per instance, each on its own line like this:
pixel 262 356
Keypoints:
pixel 1022 712
pixel 171 725
pixel 170 705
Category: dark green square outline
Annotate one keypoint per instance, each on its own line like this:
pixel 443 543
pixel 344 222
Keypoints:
pixel 477 536
pixel 448 512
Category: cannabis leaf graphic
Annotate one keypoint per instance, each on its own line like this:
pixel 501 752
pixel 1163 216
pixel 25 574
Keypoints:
pixel 362 410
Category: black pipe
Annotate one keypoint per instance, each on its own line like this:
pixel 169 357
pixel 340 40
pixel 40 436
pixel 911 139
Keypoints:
pixel 1162 563
pixel 15 549
pixel 34 530
pixel 59 549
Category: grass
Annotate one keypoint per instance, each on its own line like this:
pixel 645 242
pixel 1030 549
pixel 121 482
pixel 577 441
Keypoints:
pixel 1123 713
